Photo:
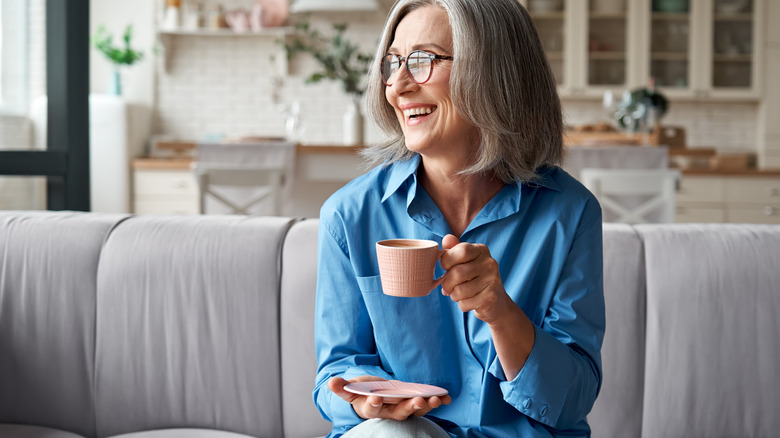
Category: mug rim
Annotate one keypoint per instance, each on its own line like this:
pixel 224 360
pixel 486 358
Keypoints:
pixel 423 243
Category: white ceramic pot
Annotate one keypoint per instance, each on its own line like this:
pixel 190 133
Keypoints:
pixel 353 124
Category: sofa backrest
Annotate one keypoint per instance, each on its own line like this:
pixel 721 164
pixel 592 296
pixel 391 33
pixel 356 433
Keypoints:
pixel 713 330
pixel 618 410
pixel 188 325
pixel 299 361
pixel 48 267
pixel 113 324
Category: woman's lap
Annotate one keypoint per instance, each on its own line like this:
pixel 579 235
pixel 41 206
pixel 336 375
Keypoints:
pixel 413 427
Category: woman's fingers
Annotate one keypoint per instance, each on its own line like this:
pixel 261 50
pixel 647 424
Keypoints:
pixel 374 407
pixel 336 384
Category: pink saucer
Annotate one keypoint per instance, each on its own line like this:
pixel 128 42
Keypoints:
pixel 393 391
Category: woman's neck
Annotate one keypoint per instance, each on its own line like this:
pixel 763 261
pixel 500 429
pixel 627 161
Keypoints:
pixel 459 197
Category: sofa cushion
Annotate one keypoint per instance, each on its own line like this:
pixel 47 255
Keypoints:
pixel 618 409
pixel 188 326
pixel 25 431
pixel 713 300
pixel 181 433
pixel 48 266
pixel 299 362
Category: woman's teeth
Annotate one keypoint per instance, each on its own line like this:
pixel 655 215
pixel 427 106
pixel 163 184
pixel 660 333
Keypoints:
pixel 414 112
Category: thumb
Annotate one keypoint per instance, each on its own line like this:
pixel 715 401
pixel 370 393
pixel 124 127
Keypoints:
pixel 449 241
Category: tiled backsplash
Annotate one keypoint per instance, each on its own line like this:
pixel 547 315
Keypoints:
pixel 229 86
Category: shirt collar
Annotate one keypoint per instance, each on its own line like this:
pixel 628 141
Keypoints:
pixel 546 178
pixel 399 173
pixel 425 212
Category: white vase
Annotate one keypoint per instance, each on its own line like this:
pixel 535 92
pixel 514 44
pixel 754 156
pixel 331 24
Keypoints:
pixel 115 82
pixel 353 124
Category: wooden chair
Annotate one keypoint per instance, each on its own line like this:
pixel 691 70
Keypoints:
pixel 264 182
pixel 634 196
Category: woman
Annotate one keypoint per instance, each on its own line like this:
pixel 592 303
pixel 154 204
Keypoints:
pixel 514 333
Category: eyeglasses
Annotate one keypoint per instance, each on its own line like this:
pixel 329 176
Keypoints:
pixel 419 65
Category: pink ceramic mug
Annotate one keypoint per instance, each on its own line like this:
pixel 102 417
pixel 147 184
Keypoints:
pixel 406 266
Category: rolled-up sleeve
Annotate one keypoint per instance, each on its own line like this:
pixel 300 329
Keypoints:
pixel 561 378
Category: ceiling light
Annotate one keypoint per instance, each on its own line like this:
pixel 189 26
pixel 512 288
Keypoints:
pixel 333 5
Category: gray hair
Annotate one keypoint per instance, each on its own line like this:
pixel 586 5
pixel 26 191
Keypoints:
pixel 501 82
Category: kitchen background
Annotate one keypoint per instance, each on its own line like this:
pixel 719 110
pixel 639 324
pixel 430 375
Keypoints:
pixel 203 86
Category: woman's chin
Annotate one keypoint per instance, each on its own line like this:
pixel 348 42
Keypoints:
pixel 417 144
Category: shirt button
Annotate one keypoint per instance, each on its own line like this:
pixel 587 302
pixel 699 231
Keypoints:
pixel 527 403
pixel 544 410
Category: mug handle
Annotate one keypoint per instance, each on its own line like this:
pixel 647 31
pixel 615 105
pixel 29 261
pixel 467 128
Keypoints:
pixel 438 281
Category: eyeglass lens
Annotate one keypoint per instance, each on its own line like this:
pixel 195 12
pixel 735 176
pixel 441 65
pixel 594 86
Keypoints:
pixel 418 64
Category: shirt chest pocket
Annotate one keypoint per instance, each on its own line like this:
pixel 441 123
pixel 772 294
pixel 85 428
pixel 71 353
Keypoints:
pixel 386 312
pixel 408 333
pixel 370 285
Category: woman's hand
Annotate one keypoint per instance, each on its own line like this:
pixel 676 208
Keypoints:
pixel 473 280
pixel 373 407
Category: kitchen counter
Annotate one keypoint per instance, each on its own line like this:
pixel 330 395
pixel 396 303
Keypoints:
pixel 184 162
pixel 320 170
pixel 768 173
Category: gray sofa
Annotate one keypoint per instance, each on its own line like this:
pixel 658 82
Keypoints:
pixel 201 326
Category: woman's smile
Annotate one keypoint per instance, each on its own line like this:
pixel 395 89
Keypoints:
pixel 416 114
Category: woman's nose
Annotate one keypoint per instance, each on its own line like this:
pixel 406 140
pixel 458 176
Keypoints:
pixel 402 82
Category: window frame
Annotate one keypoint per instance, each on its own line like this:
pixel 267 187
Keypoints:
pixel 65 162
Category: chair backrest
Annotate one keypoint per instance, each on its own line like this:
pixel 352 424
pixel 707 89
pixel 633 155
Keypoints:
pixel 634 195
pixel 263 183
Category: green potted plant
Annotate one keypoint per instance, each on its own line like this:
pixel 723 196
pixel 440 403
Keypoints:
pixel 339 60
pixel 117 55
pixel 642 108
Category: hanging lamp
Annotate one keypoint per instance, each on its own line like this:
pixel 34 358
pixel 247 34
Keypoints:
pixel 333 5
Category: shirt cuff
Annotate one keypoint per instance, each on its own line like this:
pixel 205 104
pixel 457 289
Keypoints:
pixel 539 389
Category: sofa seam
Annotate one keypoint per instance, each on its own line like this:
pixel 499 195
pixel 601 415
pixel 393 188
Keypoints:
pixel 280 271
pixel 93 378
pixel 643 253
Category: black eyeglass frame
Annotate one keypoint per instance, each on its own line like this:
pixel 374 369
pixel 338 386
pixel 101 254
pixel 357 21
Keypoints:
pixel 402 59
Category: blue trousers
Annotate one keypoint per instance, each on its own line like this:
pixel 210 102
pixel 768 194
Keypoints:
pixel 412 427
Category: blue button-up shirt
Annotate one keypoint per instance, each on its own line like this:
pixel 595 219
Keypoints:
pixel 546 237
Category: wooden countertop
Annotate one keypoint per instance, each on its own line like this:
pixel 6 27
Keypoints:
pixel 177 163
pixel 184 162
pixel 162 163
pixel 768 173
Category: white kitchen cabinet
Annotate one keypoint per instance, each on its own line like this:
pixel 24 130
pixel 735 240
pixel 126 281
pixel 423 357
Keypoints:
pixel 701 199
pixel 732 198
pixel 168 191
pixel 711 51
pixel 700 52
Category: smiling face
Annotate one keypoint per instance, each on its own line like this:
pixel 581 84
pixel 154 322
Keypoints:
pixel 431 125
